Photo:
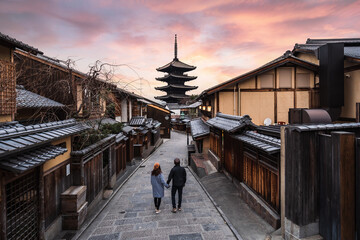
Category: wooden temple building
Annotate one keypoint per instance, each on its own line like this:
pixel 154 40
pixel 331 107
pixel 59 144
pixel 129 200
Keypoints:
pixel 175 79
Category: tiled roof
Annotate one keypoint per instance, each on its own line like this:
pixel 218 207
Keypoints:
pixel 199 128
pixel 176 76
pixel 14 140
pixel 128 130
pixel 120 137
pixel 266 143
pixel 272 130
pixel 7 125
pixel 352 52
pixel 169 96
pixel 174 106
pixel 31 158
pixel 351 46
pixel 91 150
pixel 230 123
pixel 176 64
pixel 323 127
pixel 346 41
pixel 18 44
pixel 27 99
pixel 137 121
pixel 176 86
pixel 156 124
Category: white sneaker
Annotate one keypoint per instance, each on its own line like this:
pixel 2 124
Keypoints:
pixel 157 211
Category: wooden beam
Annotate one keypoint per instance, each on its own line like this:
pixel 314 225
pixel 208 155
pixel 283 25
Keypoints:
pixel 275 97
pixel 352 68
pixel 295 87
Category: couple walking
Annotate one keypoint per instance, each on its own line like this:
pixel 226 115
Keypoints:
pixel 177 175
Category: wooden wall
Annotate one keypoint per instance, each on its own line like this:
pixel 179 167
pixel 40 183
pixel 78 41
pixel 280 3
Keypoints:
pixel 120 158
pixel 261 101
pixel 155 113
pixel 93 177
pixel 55 183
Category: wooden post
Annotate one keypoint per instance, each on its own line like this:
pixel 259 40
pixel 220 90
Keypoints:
pixel 41 203
pixel 344 158
pixel 357 112
pixel 3 207
pixel 357 188
pixel 282 181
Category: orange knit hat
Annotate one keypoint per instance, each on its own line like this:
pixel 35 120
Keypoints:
pixel 156 165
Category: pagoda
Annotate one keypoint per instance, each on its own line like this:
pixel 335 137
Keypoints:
pixel 175 79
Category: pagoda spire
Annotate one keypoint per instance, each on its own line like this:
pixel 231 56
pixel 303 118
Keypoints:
pixel 175 48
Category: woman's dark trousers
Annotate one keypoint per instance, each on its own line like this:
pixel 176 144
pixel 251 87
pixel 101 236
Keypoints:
pixel 157 202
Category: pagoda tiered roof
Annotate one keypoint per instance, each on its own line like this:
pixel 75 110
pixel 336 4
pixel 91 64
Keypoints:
pixel 172 96
pixel 176 86
pixel 175 76
pixel 176 65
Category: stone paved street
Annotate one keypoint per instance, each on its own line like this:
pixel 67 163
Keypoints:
pixel 131 214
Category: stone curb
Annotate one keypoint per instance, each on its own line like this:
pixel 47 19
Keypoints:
pixel 222 214
pixel 84 228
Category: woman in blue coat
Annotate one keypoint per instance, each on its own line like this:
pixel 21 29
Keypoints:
pixel 158 183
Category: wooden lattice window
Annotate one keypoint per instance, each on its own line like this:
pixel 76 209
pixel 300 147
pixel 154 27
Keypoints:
pixel 22 210
pixel 7 88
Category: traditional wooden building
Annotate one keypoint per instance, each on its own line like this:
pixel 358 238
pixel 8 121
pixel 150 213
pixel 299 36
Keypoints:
pixel 162 115
pixel 148 132
pixel 35 170
pixel 339 75
pixel 175 79
pixel 266 92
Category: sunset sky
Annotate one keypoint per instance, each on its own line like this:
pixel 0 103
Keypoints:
pixel 223 38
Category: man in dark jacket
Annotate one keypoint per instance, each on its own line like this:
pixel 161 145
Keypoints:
pixel 178 176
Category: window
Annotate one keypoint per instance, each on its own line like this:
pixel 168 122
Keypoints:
pixel 285 77
pixel 302 80
pixel 267 81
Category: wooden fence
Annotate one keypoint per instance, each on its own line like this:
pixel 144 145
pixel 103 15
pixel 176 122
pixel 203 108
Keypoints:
pixel 261 173
pixel 322 179
pixel 337 185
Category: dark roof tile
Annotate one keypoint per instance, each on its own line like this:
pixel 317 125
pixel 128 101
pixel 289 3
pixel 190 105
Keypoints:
pixel 16 43
pixel 12 142
pixel 31 158
pixel 137 121
pixel 199 128
pixel 266 143
pixel 230 123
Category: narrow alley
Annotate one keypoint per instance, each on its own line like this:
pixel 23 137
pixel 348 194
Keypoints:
pixel 130 214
